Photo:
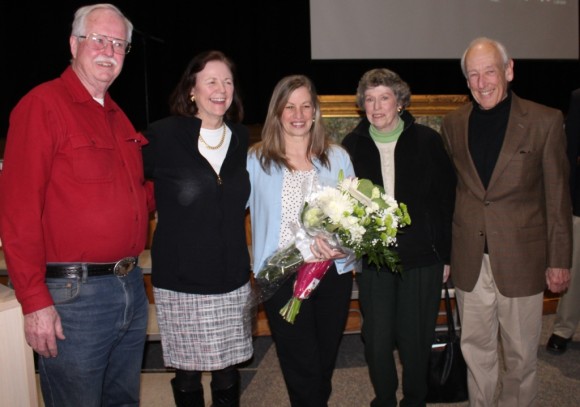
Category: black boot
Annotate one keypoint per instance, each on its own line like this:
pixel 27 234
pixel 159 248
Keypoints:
pixel 187 398
pixel 229 397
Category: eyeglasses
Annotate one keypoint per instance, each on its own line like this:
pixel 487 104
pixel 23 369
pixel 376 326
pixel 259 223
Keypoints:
pixel 98 42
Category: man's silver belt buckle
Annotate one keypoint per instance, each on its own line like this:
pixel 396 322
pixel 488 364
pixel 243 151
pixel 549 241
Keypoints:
pixel 124 266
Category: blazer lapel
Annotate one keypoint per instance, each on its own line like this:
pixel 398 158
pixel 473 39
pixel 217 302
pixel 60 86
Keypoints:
pixel 514 134
pixel 467 170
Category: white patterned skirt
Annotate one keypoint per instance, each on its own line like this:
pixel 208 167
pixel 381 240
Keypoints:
pixel 204 332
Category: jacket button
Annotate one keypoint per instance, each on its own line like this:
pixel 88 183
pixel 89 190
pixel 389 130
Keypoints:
pixel 480 233
pixel 486 203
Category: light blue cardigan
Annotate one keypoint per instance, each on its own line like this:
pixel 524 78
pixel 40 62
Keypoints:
pixel 266 201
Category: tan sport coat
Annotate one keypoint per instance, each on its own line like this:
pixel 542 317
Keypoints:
pixel 524 214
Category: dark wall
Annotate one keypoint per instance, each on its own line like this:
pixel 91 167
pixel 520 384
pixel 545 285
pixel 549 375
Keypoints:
pixel 266 40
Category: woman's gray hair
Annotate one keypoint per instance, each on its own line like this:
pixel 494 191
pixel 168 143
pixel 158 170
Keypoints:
pixel 78 24
pixel 482 40
pixel 383 77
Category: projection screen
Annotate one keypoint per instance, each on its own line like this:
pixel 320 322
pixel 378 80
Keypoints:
pixel 441 29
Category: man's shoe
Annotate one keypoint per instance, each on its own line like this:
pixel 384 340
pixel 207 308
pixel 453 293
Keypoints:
pixel 557 345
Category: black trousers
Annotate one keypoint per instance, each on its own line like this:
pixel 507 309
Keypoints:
pixel 308 348
pixel 399 312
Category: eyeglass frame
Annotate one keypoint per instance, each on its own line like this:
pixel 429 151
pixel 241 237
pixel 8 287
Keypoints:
pixel 111 40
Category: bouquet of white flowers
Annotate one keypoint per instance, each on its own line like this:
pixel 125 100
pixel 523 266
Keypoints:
pixel 356 216
pixel 362 216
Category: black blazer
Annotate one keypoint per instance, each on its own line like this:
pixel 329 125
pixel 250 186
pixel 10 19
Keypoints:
pixel 199 245
pixel 424 181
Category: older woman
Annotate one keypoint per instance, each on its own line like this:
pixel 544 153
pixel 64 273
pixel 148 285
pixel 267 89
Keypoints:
pixel 295 150
pixel 201 265
pixel 409 160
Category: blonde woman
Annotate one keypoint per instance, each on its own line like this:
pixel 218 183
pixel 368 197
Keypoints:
pixel 294 150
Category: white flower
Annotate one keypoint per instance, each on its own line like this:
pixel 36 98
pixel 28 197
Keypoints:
pixel 334 204
pixel 348 184
pixel 372 208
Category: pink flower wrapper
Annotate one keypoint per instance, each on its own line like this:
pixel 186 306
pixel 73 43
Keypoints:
pixel 308 277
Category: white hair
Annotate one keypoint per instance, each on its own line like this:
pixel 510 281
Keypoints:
pixel 482 40
pixel 78 25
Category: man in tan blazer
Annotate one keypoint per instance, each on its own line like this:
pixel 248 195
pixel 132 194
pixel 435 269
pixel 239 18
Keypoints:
pixel 511 226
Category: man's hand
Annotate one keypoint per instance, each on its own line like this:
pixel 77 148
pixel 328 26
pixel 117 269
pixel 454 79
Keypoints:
pixel 41 329
pixel 557 279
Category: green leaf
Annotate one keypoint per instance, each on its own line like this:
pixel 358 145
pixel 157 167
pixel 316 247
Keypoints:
pixel 365 187
pixel 382 204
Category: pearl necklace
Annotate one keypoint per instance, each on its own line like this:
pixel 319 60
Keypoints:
pixel 218 145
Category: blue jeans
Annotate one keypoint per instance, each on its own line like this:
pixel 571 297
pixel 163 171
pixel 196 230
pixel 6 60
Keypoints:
pixel 105 322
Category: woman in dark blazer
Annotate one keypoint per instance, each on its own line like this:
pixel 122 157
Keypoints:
pixel 201 267
pixel 409 160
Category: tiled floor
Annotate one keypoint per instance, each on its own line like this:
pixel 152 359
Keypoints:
pixel 263 386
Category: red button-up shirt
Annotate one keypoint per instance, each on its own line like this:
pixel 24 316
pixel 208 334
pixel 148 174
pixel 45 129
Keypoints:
pixel 72 186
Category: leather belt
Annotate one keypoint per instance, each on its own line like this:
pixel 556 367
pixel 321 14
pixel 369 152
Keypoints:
pixel 75 270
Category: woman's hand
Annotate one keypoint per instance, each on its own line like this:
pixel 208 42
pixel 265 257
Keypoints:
pixel 322 250
pixel 446 272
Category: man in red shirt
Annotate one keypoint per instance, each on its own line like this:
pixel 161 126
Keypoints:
pixel 73 220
